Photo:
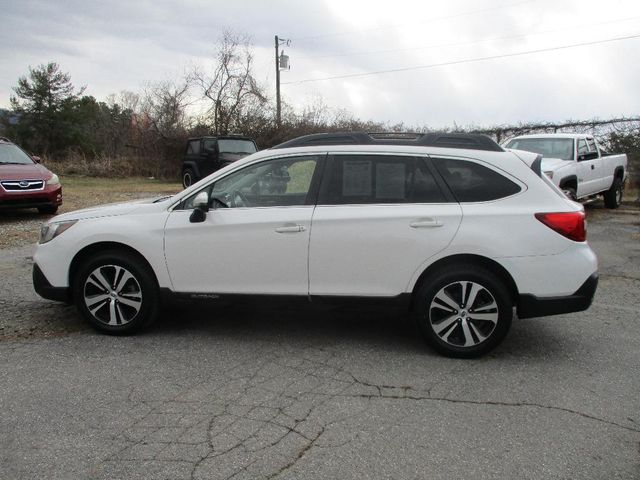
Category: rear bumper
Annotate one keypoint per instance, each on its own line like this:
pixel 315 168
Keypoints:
pixel 46 290
pixel 532 306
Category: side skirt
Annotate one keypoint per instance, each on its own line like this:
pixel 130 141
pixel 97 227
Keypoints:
pixel 402 301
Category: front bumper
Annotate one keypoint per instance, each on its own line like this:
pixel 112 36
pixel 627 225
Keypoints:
pixel 532 306
pixel 49 196
pixel 46 290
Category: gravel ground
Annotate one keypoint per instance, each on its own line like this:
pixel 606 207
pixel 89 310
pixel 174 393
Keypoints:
pixel 238 392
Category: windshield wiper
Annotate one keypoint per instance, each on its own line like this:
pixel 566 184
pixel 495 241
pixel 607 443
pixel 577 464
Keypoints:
pixel 162 198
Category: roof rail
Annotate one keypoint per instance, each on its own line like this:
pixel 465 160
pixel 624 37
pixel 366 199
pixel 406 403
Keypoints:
pixel 471 141
pixel 5 139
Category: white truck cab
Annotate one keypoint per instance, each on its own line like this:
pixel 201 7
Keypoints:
pixel 577 164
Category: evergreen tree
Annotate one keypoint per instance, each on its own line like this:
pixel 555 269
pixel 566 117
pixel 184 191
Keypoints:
pixel 45 101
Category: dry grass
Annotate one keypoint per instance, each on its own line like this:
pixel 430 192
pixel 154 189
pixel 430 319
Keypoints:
pixel 21 227
pixel 114 167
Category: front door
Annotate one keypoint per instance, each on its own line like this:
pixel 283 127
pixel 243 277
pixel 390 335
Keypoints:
pixel 588 182
pixel 255 237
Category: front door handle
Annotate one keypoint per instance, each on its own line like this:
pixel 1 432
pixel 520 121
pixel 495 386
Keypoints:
pixel 593 167
pixel 290 228
pixel 426 223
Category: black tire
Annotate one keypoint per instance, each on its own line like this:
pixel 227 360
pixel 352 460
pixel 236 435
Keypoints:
pixel 188 177
pixel 483 334
pixel 48 209
pixel 135 301
pixel 613 196
pixel 570 193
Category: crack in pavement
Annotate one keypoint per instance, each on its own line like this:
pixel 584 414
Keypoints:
pixel 495 403
pixel 261 419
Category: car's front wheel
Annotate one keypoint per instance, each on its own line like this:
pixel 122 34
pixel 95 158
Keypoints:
pixel 116 292
pixel 463 311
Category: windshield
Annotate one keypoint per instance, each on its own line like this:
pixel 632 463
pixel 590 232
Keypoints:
pixel 236 146
pixel 547 147
pixel 10 154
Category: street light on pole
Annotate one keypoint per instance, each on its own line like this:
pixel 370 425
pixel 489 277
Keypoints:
pixel 282 63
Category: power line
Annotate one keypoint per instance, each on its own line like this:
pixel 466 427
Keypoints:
pixel 471 42
pixel 467 60
pixel 434 19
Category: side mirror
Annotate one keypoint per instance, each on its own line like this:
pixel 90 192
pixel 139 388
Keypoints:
pixel 201 201
pixel 200 208
pixel 36 158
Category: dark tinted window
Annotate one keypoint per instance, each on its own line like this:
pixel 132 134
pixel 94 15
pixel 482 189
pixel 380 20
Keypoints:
pixel 209 144
pixel 194 147
pixel 381 179
pixel 471 182
pixel 236 146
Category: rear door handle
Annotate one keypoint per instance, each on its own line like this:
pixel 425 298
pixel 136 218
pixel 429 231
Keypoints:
pixel 289 228
pixel 426 223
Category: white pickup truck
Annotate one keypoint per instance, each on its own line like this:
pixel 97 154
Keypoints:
pixel 577 164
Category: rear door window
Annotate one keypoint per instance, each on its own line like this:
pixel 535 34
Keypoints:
pixel 472 182
pixel 381 179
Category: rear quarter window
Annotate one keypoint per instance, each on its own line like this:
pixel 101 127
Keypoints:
pixel 472 182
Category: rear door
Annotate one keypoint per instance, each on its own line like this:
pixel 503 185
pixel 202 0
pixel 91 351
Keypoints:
pixel 379 217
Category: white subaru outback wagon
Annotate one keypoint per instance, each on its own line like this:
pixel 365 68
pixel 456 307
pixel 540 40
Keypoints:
pixel 452 227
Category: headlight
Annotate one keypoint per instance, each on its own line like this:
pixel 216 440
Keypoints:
pixel 49 231
pixel 549 174
pixel 54 180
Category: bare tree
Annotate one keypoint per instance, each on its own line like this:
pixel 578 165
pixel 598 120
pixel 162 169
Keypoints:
pixel 230 89
pixel 164 108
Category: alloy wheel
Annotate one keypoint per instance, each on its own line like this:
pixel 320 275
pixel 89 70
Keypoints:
pixel 112 294
pixel 463 314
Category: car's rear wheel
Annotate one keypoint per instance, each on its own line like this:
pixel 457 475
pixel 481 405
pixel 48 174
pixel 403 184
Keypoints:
pixel 613 196
pixel 188 177
pixel 463 311
pixel 116 292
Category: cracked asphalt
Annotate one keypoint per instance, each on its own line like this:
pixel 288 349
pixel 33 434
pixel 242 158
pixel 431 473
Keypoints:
pixel 315 393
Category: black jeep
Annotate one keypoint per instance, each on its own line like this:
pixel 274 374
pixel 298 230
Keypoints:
pixel 205 155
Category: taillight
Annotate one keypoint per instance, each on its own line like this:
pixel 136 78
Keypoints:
pixel 569 224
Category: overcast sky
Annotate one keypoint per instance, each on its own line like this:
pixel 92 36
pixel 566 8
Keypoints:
pixel 114 45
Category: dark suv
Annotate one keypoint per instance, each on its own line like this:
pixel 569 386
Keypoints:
pixel 205 155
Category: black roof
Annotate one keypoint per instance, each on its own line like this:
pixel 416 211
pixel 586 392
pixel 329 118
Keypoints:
pixel 222 137
pixel 469 141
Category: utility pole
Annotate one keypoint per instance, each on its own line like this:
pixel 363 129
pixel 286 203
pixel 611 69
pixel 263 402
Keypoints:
pixel 279 61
